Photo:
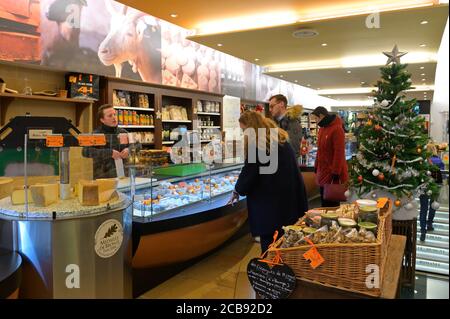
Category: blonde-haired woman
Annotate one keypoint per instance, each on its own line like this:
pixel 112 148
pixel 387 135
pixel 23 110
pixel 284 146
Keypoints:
pixel 274 189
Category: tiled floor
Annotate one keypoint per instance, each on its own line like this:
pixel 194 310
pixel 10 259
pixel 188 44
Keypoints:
pixel 222 275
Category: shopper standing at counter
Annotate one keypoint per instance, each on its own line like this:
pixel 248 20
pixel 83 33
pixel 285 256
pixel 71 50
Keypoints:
pixel 116 148
pixel 273 200
pixel 330 165
pixel 287 119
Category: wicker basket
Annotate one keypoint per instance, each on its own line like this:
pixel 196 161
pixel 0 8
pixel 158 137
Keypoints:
pixel 345 264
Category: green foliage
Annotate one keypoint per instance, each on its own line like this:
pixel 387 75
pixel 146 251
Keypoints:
pixel 393 131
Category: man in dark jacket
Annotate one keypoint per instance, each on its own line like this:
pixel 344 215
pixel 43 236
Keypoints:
pixel 116 147
pixel 289 119
pixel 330 165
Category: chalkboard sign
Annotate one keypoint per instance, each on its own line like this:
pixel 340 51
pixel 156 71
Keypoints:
pixel 277 282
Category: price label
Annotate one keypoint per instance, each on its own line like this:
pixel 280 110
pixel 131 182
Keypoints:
pixel 54 141
pixel 313 256
pixel 99 139
pixel 382 202
pixel 86 140
pixel 92 140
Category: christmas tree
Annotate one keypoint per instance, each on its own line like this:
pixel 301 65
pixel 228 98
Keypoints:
pixel 392 159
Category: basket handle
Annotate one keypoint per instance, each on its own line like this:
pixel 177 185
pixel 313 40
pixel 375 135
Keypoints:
pixel 277 259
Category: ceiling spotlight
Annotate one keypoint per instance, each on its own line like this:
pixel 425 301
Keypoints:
pixel 424 22
pixel 174 15
pixel 348 72
pixel 219 44
pixel 256 59
pixel 363 82
pixel 296 81
pixel 324 44
pixel 304 33
pixel 308 85
pixel 422 67
pixel 423 74
pixel 423 79
pixel 423 45
pixel 281 76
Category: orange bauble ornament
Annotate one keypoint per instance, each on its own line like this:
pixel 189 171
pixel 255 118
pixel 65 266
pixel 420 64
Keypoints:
pixel 381 177
pixel 377 127
pixel 360 179
pixel 419 150
pixel 369 123
pixel 397 203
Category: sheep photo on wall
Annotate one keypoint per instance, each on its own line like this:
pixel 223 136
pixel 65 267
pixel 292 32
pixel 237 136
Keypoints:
pixel 134 38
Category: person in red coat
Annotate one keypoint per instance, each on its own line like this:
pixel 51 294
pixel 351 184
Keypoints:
pixel 330 165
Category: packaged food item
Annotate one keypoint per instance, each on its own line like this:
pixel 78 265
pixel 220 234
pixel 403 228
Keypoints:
pixel 327 218
pixel 346 223
pixel 125 117
pixel 184 115
pixel 368 214
pixel 120 117
pixel 368 226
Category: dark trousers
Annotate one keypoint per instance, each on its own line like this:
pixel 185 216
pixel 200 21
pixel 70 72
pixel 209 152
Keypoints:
pixel 327 203
pixel 426 209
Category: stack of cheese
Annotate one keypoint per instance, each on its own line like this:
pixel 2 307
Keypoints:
pixel 42 195
pixel 93 193
pixel 6 187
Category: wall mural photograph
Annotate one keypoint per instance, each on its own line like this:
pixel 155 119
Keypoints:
pixel 107 38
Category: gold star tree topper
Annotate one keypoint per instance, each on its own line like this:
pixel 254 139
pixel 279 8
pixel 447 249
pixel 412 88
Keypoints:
pixel 394 56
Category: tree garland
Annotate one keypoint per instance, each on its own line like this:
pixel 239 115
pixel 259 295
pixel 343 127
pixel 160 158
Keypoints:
pixel 389 188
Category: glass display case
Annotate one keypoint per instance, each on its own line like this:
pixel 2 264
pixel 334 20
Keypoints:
pixel 176 187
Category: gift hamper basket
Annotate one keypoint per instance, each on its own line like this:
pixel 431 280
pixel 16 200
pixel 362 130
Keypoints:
pixel 348 264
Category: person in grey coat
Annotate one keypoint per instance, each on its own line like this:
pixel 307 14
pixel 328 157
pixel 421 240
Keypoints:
pixel 289 119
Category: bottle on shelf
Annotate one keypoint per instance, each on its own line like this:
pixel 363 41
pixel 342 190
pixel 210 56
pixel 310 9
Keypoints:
pixel 125 117
pixel 120 117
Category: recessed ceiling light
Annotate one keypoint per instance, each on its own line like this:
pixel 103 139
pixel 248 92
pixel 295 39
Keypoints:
pixel 318 88
pixel 424 79
pixel 296 81
pixel 256 59
pixel 219 44
pixel 174 15
pixel 324 44
pixel 281 76
pixel 423 74
pixel 423 45
pixel 363 82
pixel 422 67
pixel 348 72
pixel 308 85
pixel 424 22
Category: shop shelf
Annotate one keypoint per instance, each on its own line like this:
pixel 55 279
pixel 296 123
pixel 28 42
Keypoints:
pixel 7 98
pixel 207 113
pixel 209 126
pixel 168 142
pixel 137 126
pixel 142 109
pixel 177 121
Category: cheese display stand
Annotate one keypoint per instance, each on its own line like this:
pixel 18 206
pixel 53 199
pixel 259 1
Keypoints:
pixel 73 232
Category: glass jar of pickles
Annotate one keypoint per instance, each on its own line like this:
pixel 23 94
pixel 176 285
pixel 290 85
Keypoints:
pixel 328 218
pixel 368 214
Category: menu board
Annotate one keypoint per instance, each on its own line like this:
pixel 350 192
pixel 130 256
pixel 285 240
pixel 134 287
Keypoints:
pixel 231 114
pixel 277 282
